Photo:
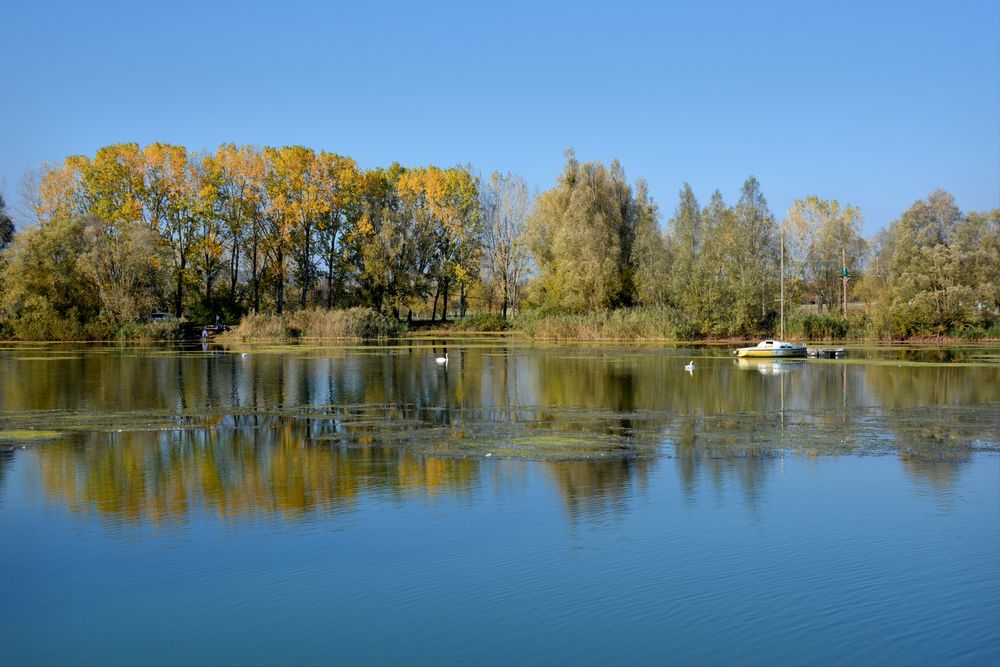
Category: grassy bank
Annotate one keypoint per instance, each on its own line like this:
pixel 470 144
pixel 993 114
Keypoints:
pixel 355 323
pixel 623 324
pixel 631 324
pixel 55 329
pixel 670 324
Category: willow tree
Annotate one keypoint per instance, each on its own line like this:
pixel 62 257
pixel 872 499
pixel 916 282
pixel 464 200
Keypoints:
pixel 940 266
pixel 979 237
pixel 581 235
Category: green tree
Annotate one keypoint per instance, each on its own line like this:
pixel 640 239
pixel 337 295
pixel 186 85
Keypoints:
pixel 751 254
pixel 379 244
pixel 710 310
pixel 650 254
pixel 978 236
pixel 939 268
pixel 686 245
pixel 581 235
pixel 46 295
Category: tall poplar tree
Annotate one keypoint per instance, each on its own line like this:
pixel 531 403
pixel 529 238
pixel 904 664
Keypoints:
pixel 686 247
pixel 753 255
pixel 650 253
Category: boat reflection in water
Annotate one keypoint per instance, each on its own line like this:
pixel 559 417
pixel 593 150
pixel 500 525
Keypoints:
pixel 770 367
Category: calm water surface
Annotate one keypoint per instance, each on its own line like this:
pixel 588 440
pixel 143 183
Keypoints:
pixel 536 505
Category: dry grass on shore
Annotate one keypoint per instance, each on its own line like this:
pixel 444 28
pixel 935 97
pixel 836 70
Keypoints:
pixel 352 323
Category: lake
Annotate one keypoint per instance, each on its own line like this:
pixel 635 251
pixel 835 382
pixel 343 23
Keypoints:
pixel 528 504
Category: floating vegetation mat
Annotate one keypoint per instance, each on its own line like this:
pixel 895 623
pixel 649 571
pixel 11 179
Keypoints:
pixel 19 437
pixel 930 433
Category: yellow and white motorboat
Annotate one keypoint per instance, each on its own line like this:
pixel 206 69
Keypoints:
pixel 772 349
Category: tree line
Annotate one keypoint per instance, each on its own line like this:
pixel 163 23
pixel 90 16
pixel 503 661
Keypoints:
pixel 132 230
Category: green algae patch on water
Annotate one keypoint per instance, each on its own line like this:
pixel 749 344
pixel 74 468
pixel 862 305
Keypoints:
pixel 94 422
pixel 28 436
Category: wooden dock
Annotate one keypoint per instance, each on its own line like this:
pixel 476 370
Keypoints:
pixel 826 353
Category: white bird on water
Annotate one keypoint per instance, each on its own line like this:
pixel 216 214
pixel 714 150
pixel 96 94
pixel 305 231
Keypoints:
pixel 690 367
pixel 442 360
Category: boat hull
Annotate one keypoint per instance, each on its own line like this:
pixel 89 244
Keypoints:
pixel 783 353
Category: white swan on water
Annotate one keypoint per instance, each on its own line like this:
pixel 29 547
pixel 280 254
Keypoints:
pixel 442 360
pixel 690 367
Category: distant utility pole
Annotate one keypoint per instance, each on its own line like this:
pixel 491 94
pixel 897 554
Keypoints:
pixel 843 276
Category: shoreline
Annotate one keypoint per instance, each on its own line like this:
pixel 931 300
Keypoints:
pixel 513 334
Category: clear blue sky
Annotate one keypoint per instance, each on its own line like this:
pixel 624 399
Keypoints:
pixel 872 103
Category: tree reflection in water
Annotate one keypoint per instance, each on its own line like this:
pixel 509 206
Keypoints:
pixel 304 431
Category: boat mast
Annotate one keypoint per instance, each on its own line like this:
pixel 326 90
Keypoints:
pixel 782 337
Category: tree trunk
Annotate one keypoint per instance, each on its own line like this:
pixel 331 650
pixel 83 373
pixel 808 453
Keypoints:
pixel 178 295
pixel 437 293
pixel 462 305
pixel 255 278
pixel 281 282
pixel 306 278
pixel 208 280
pixel 444 302
pixel 179 298
pixel 234 271
pixel 329 283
